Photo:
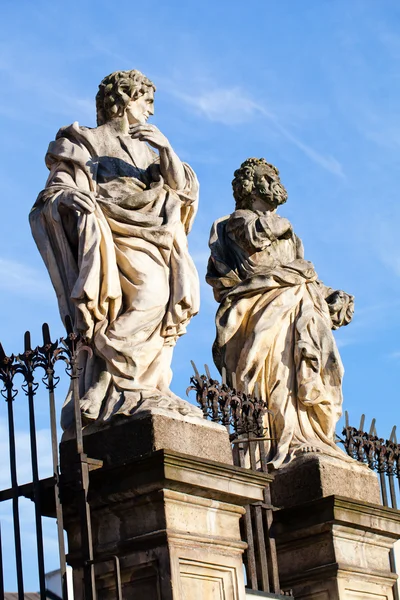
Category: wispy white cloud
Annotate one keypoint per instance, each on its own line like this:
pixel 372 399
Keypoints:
pixel 229 106
pixel 234 106
pixel 19 278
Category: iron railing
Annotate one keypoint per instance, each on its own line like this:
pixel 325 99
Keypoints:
pixel 382 456
pixel 243 415
pixel 27 364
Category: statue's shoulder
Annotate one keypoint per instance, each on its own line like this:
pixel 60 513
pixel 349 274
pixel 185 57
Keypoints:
pixel 239 218
pixel 219 225
pixel 73 141
pixel 231 222
pixel 73 130
pixel 78 134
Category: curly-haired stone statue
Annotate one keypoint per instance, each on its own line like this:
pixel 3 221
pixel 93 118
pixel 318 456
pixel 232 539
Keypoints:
pixel 275 317
pixel 111 226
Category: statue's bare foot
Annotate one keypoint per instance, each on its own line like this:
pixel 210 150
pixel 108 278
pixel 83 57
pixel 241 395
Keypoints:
pixel 307 450
pixel 170 402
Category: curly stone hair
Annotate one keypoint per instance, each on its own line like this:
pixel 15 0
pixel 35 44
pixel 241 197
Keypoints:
pixel 245 188
pixel 117 90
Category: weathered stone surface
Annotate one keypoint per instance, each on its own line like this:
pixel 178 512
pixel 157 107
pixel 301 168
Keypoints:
pixel 173 520
pixel 337 549
pixel 275 317
pixel 314 476
pixel 147 432
pixel 111 226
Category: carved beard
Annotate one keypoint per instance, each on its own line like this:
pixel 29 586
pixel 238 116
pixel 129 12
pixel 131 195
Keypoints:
pixel 275 195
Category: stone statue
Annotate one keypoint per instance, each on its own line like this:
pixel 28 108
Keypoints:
pixel 275 317
pixel 111 226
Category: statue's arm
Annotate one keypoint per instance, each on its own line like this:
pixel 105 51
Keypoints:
pixel 71 185
pixel 171 167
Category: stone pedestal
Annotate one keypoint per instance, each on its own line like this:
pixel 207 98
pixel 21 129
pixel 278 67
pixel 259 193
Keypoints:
pixel 172 519
pixel 337 548
pixel 313 476
pixel 332 547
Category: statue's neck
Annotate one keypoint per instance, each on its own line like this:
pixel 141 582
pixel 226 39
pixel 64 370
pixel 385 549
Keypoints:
pixel 118 126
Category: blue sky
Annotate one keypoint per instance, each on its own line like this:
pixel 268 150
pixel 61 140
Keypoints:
pixel 311 86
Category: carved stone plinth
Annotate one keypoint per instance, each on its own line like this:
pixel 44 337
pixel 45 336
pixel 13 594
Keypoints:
pixel 337 549
pixel 315 475
pixel 172 520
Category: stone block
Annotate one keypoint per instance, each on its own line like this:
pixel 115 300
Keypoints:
pixel 173 521
pixel 336 548
pixel 147 432
pixel 315 475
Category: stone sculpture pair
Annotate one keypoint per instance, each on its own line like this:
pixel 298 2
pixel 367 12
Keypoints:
pixel 111 226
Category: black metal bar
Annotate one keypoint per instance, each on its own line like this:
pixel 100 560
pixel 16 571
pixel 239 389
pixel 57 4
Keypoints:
pixel 260 546
pixel 272 555
pixel 251 570
pixel 382 480
pixel 392 490
pixel 252 452
pixel 56 471
pixel 117 571
pixel 14 485
pixel 117 574
pixel 83 504
pixel 30 392
pixel 25 490
pixel 1 569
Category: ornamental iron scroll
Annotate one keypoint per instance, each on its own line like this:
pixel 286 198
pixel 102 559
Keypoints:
pixel 243 414
pixel 380 454
pixel 26 365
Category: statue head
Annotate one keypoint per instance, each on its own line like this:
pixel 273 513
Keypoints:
pixel 257 186
pixel 123 92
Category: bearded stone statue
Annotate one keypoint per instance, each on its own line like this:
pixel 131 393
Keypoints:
pixel 275 319
pixel 111 226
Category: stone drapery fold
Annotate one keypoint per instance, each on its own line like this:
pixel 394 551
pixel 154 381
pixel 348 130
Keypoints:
pixel 122 271
pixel 274 330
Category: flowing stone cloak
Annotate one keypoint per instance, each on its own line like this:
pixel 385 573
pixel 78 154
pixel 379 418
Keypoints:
pixel 274 328
pixel 123 272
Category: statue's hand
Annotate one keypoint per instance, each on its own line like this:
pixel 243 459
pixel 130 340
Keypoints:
pixel 341 308
pixel 80 201
pixel 150 134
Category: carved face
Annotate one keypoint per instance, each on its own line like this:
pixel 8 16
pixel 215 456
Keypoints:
pixel 139 110
pixel 267 192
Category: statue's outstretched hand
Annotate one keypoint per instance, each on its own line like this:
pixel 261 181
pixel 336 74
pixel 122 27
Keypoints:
pixel 341 308
pixel 78 200
pixel 150 134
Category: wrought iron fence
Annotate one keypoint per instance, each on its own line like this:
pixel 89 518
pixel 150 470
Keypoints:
pixel 382 456
pixel 27 365
pixel 243 415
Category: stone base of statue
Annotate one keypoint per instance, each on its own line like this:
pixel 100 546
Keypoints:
pixel 311 476
pixel 333 536
pixel 164 509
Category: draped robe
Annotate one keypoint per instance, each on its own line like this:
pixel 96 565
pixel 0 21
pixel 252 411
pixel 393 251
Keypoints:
pixel 122 272
pixel 274 329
